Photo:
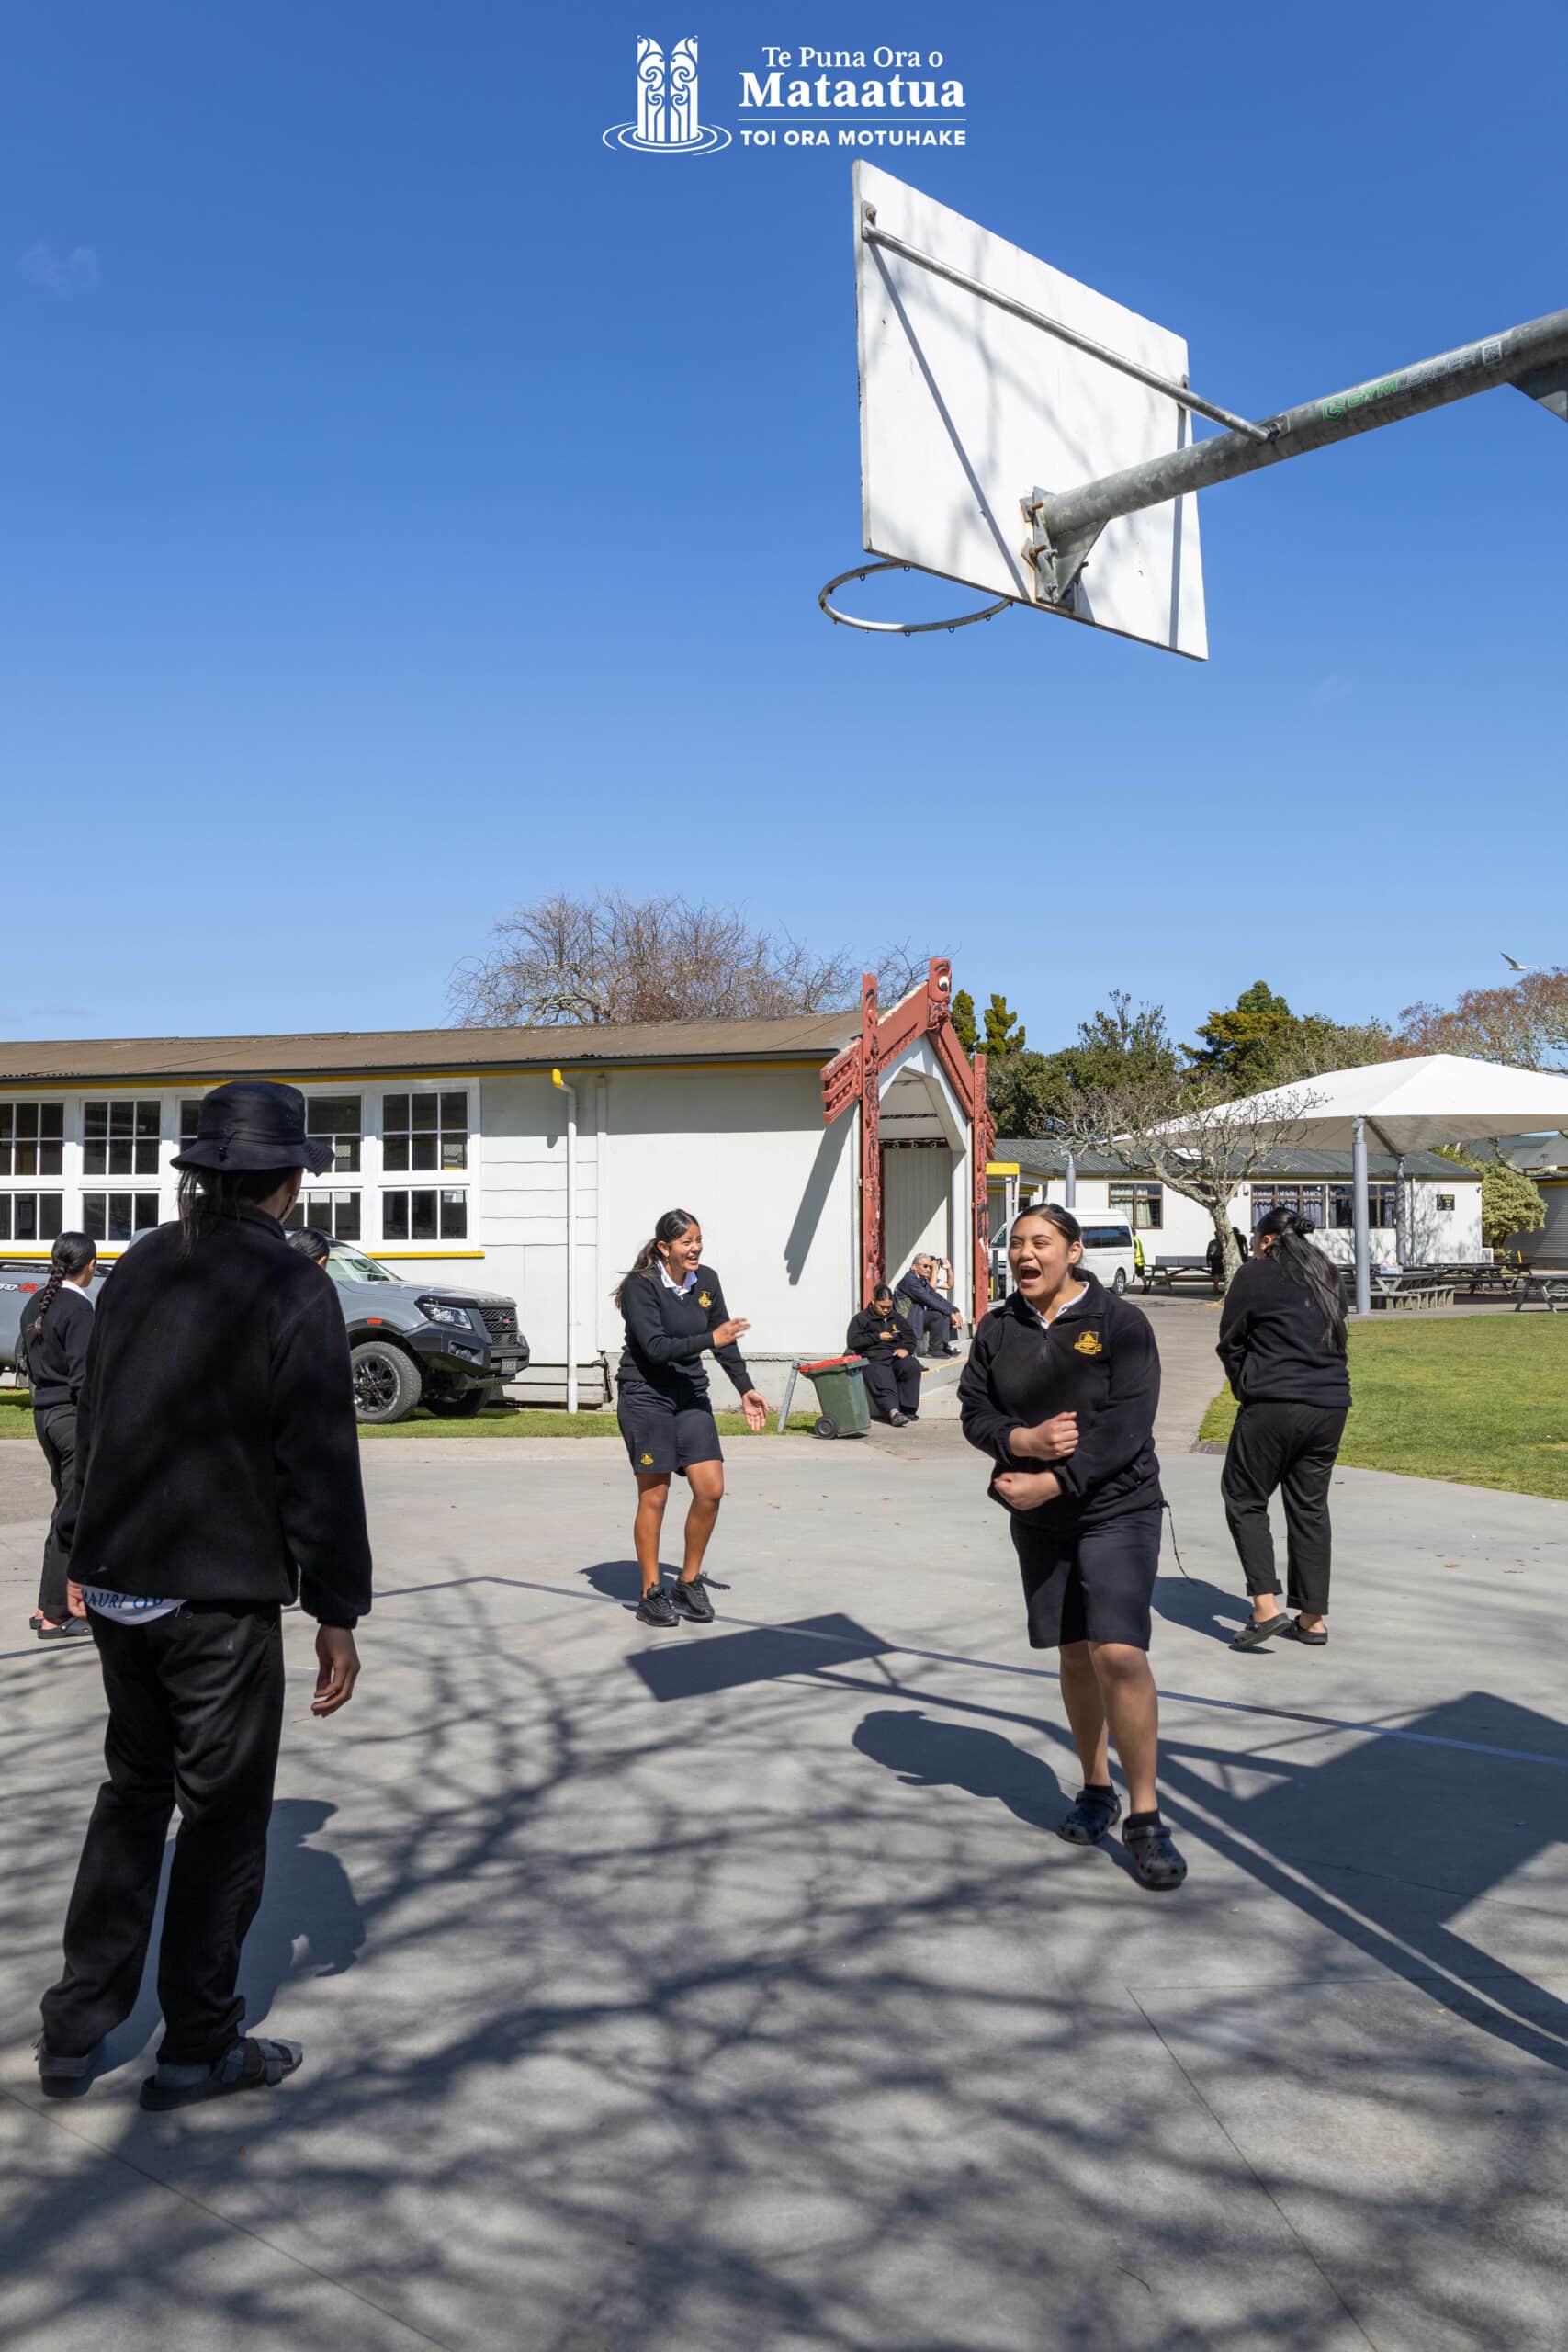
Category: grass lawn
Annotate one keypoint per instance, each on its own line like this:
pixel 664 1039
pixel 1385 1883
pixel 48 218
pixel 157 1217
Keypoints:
pixel 502 1420
pixel 1483 1401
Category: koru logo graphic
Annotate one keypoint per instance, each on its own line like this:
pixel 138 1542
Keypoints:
pixel 666 120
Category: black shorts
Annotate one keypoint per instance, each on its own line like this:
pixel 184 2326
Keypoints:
pixel 661 1436
pixel 1090 1584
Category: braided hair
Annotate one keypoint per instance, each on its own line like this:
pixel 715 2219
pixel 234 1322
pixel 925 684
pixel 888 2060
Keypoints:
pixel 72 1255
pixel 670 1226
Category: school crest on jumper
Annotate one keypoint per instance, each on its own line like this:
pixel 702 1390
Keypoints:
pixel 647 1461
pixel 1089 1343
pixel 705 1298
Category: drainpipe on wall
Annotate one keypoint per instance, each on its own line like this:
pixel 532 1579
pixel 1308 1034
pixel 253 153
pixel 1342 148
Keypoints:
pixel 570 1093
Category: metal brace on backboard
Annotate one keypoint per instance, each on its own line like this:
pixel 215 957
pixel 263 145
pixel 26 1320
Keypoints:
pixel 1054 572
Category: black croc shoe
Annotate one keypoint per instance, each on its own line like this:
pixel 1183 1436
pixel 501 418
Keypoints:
pixel 1092 1815
pixel 1263 1629
pixel 1155 1857
pixel 656 1607
pixel 692 1600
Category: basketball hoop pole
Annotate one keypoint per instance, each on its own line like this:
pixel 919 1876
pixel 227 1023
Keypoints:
pixel 1534 357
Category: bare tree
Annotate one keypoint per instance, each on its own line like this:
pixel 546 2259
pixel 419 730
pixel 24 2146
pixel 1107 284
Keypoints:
pixel 567 962
pixel 1194 1134
pixel 1524 1023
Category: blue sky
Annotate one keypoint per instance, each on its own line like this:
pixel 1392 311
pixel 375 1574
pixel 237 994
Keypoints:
pixel 416 506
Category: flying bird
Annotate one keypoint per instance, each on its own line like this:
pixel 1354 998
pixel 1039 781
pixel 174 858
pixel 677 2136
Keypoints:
pixel 1514 964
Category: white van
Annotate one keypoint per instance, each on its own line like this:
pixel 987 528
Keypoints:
pixel 1108 1253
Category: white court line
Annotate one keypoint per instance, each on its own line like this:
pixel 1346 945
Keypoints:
pixel 1046 1674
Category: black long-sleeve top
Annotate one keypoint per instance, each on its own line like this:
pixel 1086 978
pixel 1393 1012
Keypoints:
pixel 1098 1360
pixel 57 1356
pixel 668 1333
pixel 216 1445
pixel 924 1294
pixel 1274 1342
pixel 864 1338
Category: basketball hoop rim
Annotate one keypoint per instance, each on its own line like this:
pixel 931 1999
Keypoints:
pixel 899 629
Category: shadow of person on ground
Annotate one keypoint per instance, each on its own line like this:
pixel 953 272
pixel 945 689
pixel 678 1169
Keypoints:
pixel 308 1901
pixel 1202 1607
pixel 929 1754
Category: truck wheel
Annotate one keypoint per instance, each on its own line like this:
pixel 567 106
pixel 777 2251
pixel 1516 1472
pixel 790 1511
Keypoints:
pixel 458 1409
pixel 386 1385
pixel 825 1428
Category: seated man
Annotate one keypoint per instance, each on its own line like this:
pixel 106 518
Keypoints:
pixel 935 1317
pixel 880 1334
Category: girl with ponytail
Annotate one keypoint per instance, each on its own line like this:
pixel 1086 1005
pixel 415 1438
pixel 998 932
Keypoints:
pixel 675 1313
pixel 1282 1345
pixel 57 1324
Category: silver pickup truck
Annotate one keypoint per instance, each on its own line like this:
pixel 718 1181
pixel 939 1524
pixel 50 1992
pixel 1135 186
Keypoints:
pixel 410 1343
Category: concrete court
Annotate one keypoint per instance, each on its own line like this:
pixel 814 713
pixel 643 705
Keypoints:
pixel 726 1991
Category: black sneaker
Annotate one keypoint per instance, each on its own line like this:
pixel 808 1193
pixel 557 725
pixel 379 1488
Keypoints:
pixel 656 1607
pixel 1155 1857
pixel 1092 1815
pixel 692 1596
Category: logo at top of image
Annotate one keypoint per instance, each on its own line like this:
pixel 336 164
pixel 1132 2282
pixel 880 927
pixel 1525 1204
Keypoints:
pixel 667 121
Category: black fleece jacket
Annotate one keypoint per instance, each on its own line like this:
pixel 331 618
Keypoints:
pixel 1273 1341
pixel 216 1443
pixel 57 1356
pixel 667 1333
pixel 863 1337
pixel 1097 1359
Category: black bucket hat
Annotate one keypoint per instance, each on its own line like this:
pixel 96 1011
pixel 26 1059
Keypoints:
pixel 253 1123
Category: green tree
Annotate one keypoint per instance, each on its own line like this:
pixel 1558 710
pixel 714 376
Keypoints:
pixel 964 1027
pixel 1030 1094
pixel 1510 1202
pixel 1001 1023
pixel 1258 1041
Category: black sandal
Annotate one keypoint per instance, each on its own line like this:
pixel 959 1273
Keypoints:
pixel 1154 1856
pixel 1299 1633
pixel 1094 1811
pixel 1261 1630
pixel 250 2065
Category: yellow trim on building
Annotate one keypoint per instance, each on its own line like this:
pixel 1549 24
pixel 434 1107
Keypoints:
pixel 190 1081
pixel 1002 1168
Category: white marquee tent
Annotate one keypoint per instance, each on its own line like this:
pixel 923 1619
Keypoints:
pixel 1413 1106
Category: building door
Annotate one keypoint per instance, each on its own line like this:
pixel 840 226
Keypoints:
pixel 916 1188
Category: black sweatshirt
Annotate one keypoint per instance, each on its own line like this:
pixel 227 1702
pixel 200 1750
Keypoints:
pixel 216 1443
pixel 1097 1359
pixel 57 1356
pixel 1273 1341
pixel 668 1333
pixel 863 1337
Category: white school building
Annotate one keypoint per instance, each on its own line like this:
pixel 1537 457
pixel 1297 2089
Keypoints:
pixel 1443 1204
pixel 818 1153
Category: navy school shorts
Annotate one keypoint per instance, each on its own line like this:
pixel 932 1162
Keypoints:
pixel 1090 1584
pixel 662 1437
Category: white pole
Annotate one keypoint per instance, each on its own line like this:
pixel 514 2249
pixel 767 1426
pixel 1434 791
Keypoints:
pixel 1361 1208
pixel 570 1093
pixel 1070 1182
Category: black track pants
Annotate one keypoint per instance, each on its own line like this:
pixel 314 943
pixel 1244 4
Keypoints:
pixel 196 1708
pixel 1293 1448
pixel 56 1430
pixel 893 1387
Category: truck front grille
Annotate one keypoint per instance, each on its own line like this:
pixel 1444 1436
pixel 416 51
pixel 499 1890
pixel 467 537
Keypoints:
pixel 500 1319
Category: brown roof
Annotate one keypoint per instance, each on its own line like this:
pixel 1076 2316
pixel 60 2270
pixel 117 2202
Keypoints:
pixel 812 1037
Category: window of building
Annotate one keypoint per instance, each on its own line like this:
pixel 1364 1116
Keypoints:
pixel 334 1119
pixel 31 1217
pixel 1146 1203
pixel 118 1216
pixel 425 1131
pixel 424 1215
pixel 1303 1200
pixel 32 1139
pixel 1447 1200
pixel 334 1212
pixel 121 1139
pixel 1382 1204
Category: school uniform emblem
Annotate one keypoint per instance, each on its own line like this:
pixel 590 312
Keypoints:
pixel 704 1298
pixel 647 1461
pixel 1089 1343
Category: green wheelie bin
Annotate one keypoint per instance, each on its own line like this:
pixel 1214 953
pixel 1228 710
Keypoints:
pixel 843 1408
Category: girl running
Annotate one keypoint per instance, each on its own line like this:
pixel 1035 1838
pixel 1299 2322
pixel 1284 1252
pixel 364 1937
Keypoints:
pixel 1060 1390
pixel 674 1312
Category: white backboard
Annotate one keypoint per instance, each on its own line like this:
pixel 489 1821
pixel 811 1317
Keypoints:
pixel 965 410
